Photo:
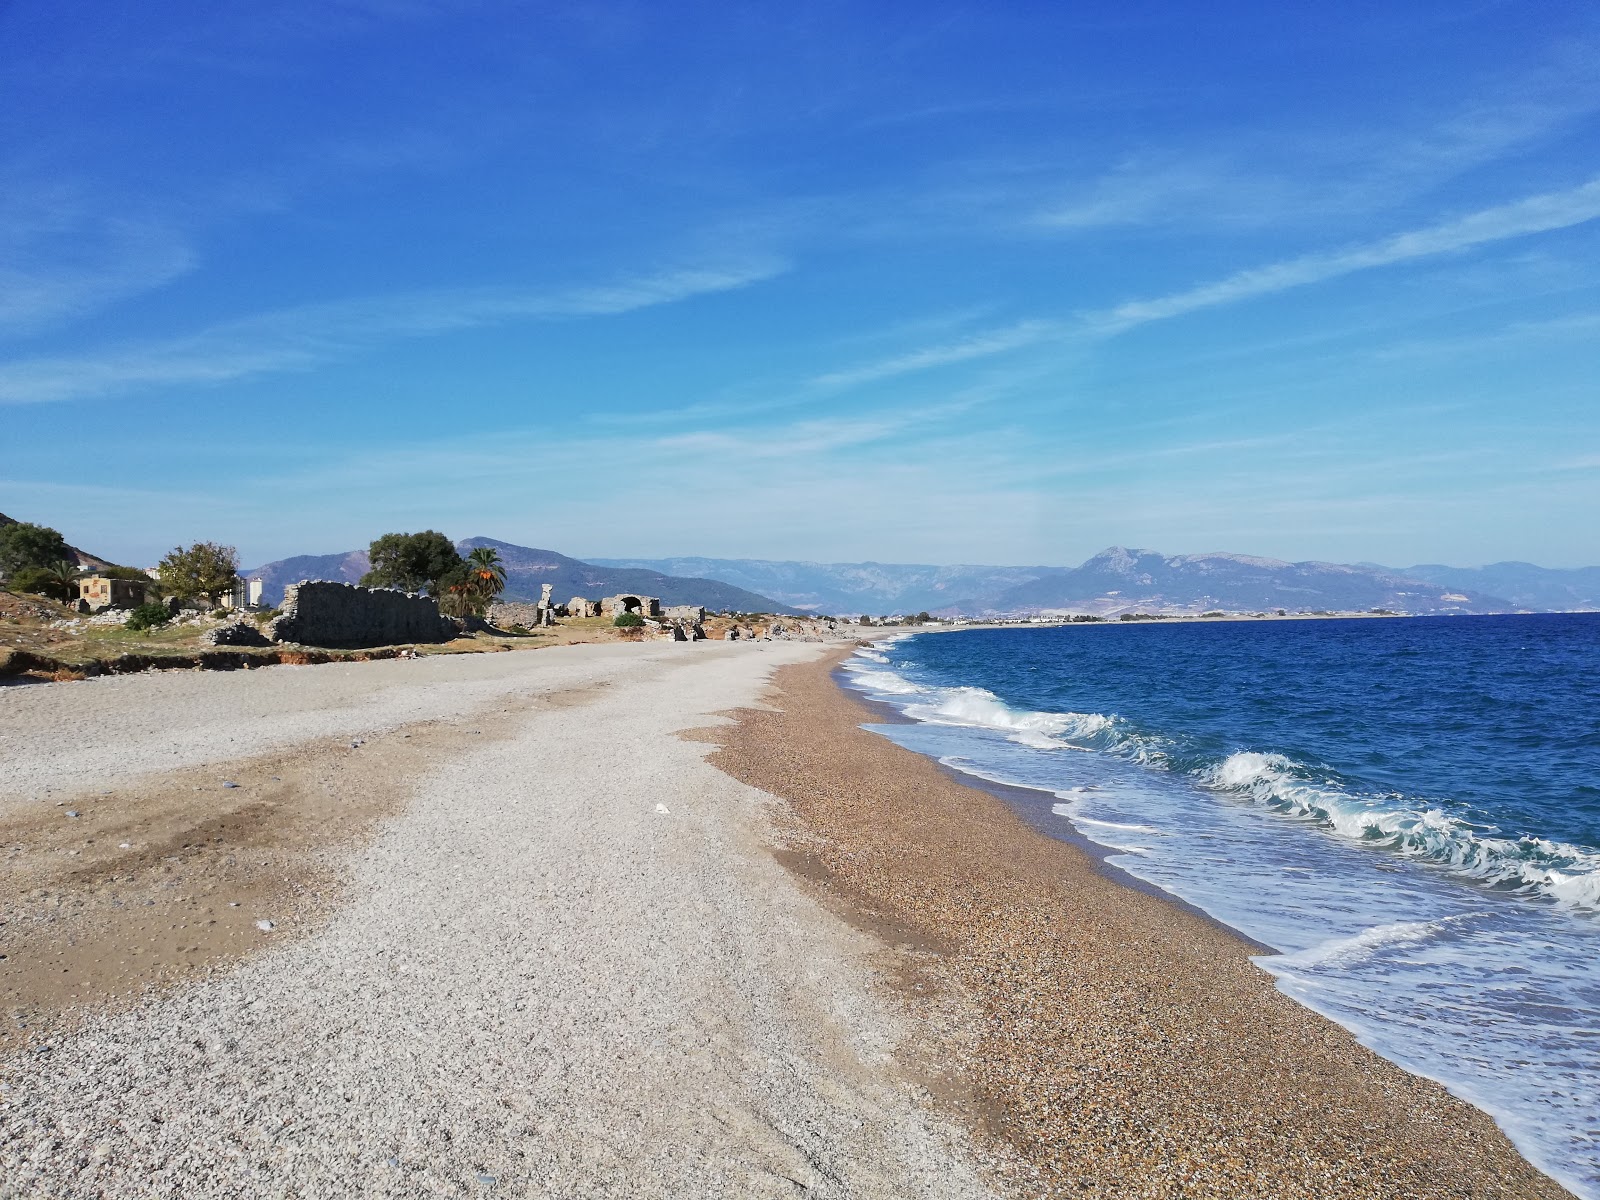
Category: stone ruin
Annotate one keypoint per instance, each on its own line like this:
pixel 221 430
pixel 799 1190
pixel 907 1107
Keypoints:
pixel 344 616
pixel 694 614
pixel 645 606
pixel 579 607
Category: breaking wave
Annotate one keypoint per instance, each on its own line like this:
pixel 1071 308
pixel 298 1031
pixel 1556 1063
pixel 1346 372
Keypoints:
pixel 1556 871
pixel 1538 866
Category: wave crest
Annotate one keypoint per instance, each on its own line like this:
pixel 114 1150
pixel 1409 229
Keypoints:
pixel 1567 874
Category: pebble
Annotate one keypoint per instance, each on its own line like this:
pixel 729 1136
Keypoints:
pixel 72 812
pixel 228 783
pixel 266 926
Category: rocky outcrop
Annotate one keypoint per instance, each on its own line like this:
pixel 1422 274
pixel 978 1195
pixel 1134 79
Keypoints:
pixel 347 617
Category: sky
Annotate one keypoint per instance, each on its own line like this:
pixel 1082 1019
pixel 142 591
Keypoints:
pixel 910 282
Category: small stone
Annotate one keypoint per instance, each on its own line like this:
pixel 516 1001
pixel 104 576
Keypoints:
pixel 662 808
pixel 266 926
pixel 228 783
pixel 124 845
pixel 72 812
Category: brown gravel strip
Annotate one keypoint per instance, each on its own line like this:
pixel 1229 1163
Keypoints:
pixel 1116 1042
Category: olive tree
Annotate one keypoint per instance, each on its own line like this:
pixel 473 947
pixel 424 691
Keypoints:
pixel 411 562
pixel 204 569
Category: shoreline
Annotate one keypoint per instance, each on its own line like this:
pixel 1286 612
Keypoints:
pixel 1122 1043
pixel 1034 807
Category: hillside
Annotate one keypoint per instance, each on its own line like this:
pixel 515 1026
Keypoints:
pixel 851 588
pixel 87 561
pixel 526 569
pixel 1118 580
pixel 1121 580
pixel 1575 589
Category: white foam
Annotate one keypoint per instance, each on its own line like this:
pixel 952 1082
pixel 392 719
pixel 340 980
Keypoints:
pixel 1569 875
pixel 1346 951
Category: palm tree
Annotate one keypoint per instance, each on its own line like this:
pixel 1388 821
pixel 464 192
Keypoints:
pixel 486 574
pixel 63 575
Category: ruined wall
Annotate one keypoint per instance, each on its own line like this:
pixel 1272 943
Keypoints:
pixel 645 606
pixel 345 616
pixel 693 613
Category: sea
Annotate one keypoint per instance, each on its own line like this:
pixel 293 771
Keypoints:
pixel 1405 810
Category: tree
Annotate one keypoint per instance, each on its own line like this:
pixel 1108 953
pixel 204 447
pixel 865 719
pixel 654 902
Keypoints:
pixel 411 562
pixel 486 573
pixel 204 569
pixel 24 545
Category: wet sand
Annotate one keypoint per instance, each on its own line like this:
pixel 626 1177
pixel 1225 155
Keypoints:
pixel 1115 1042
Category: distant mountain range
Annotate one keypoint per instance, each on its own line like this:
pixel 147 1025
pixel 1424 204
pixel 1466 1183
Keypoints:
pixel 1549 589
pixel 526 570
pixel 1115 581
pixel 1121 580
pixel 840 588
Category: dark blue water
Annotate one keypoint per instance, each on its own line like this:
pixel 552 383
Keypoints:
pixel 1409 810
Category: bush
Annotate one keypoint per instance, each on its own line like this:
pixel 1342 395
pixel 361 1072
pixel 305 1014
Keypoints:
pixel 147 616
pixel 39 581
pixel 628 621
pixel 218 613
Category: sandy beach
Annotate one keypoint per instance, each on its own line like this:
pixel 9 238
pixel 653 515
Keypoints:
pixel 496 924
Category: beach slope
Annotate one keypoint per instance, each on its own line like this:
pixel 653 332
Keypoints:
pixel 488 925
pixel 1122 1044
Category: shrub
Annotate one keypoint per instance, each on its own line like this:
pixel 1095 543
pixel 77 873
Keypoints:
pixel 218 613
pixel 39 581
pixel 147 616
pixel 628 621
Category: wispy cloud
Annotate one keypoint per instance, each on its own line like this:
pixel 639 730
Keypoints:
pixel 300 338
pixel 982 345
pixel 1536 214
pixel 59 259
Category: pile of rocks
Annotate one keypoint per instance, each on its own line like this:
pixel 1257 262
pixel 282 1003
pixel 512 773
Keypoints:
pixel 235 633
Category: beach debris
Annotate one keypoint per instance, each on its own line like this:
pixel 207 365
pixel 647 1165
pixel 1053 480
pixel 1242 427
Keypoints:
pixel 72 812
pixel 662 808
pixel 358 743
pixel 228 783
pixel 124 845
pixel 266 926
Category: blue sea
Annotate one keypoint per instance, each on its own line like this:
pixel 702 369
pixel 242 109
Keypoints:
pixel 1406 810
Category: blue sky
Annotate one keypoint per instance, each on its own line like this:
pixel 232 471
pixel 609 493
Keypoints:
pixel 913 282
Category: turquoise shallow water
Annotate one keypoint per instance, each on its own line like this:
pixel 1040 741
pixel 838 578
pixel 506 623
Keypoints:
pixel 1407 810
